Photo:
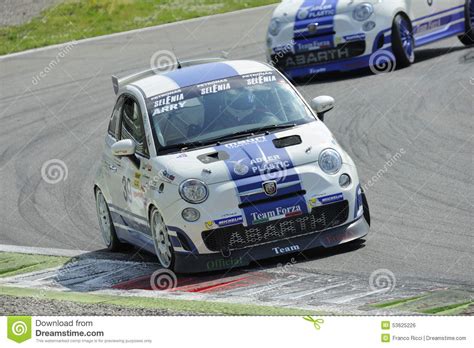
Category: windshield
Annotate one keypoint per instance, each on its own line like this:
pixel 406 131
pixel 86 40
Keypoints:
pixel 219 109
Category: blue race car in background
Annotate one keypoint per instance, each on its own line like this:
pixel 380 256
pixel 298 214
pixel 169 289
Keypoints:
pixel 307 37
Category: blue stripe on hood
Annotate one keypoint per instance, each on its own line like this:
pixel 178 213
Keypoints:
pixel 201 73
pixel 254 161
pixel 321 12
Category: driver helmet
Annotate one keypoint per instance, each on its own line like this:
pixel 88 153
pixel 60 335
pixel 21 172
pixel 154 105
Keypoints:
pixel 240 103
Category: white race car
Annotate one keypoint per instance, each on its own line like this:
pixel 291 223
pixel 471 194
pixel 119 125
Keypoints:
pixel 307 37
pixel 215 164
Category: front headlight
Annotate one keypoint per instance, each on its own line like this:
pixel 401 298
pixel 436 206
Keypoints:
pixel 330 161
pixel 193 191
pixel 274 27
pixel 363 11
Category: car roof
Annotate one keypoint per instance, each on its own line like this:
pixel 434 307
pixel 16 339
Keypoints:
pixel 155 84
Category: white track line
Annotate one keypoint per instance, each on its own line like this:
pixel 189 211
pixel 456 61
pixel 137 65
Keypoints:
pixel 41 251
pixel 140 30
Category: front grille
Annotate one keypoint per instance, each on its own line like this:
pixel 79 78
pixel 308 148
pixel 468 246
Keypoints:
pixel 307 35
pixel 343 51
pixel 239 236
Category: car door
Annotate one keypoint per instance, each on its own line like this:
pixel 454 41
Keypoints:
pixel 433 17
pixel 131 172
pixel 112 164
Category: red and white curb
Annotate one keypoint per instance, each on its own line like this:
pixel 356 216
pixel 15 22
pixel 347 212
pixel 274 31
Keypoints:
pixel 281 286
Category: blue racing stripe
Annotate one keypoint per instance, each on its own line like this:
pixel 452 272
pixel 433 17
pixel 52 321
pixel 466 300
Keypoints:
pixel 321 12
pixel 201 73
pixel 255 161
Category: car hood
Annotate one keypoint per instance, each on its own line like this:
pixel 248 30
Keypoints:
pixel 290 8
pixel 248 157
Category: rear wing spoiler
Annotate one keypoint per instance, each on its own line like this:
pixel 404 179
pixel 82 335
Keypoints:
pixel 118 82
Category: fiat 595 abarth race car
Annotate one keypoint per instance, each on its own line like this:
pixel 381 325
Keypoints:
pixel 307 37
pixel 215 164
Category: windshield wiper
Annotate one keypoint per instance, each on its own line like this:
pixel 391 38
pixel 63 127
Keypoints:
pixel 252 131
pixel 182 146
pixel 241 134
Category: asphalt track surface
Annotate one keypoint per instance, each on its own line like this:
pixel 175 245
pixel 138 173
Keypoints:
pixel 416 125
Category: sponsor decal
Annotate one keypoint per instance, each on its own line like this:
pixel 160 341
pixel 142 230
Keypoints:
pixel 166 176
pixel 331 198
pixel 279 212
pixel 167 102
pixel 313 202
pixel 214 87
pixel 224 263
pixel 286 250
pixel 228 221
pixel 261 165
pixel 425 27
pixel 245 142
pixel 259 78
pixel 318 57
pixel 355 37
pixel 265 163
pixel 312 46
pixel 136 184
pixel 322 8
pixel 240 169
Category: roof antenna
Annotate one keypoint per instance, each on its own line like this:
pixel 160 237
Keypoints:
pixel 178 64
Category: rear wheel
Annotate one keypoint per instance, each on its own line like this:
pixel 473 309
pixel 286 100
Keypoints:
pixel 468 37
pixel 161 240
pixel 106 225
pixel 403 41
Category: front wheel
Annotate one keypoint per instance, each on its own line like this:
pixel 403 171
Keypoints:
pixel 161 240
pixel 468 37
pixel 106 225
pixel 403 41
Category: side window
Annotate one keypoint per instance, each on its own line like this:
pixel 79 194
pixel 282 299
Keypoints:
pixel 131 126
pixel 115 118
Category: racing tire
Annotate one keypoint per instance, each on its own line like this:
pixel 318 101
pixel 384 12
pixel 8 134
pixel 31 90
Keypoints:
pixel 403 41
pixel 365 206
pixel 161 240
pixel 468 37
pixel 106 224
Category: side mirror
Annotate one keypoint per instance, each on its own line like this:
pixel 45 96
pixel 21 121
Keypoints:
pixel 322 104
pixel 125 147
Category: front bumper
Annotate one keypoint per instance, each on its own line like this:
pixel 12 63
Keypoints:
pixel 186 262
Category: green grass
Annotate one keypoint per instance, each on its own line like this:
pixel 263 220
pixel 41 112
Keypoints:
pixel 397 303
pixel 12 263
pixel 448 309
pixel 74 19
pixel 202 307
